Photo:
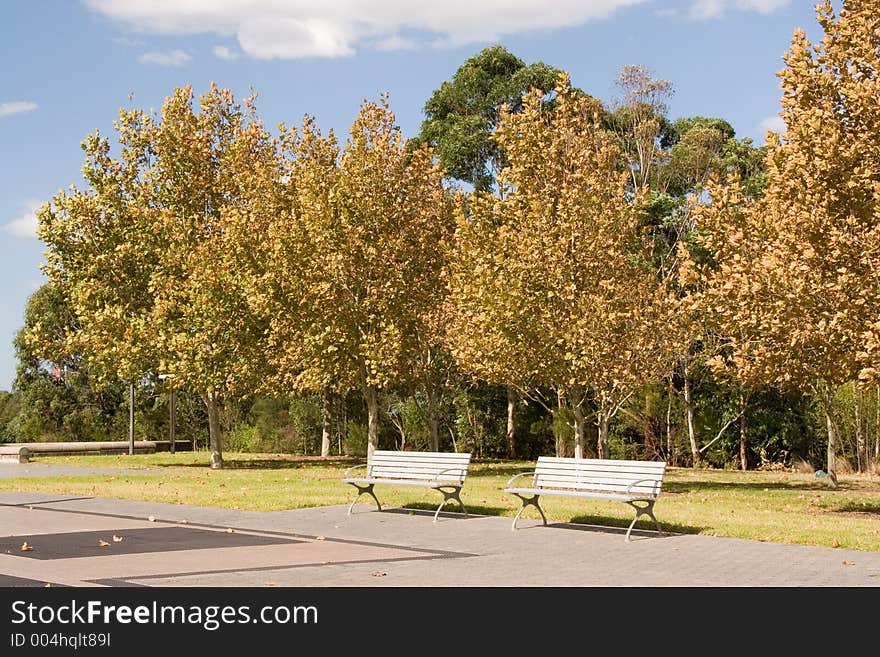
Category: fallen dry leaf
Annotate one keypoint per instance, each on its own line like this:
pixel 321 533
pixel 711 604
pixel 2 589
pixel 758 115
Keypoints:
pixel 103 543
pixel 117 539
pixel 25 547
pixel 849 563
pixel 378 573
pixel 836 543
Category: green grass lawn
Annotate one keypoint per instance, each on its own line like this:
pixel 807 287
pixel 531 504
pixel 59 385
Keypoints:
pixel 768 506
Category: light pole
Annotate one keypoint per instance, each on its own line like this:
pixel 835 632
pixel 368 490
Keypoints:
pixel 170 410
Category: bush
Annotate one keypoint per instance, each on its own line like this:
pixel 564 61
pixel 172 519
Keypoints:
pixel 357 440
pixel 243 439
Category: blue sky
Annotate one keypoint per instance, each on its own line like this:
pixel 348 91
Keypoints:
pixel 66 67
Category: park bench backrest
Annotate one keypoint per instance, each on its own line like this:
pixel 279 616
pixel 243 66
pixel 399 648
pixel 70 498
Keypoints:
pixel 444 466
pixel 602 475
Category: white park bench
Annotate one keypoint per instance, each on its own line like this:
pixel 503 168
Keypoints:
pixel 637 483
pixel 442 471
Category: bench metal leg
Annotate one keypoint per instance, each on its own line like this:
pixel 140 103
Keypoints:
pixel 646 510
pixel 453 494
pixel 528 501
pixel 361 490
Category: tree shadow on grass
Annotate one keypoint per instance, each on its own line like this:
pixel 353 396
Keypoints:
pixel 673 487
pixel 499 469
pixel 860 508
pixel 270 464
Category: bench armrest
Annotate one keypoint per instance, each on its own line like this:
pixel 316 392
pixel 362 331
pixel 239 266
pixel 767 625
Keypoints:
pixel 354 467
pixel 461 471
pixel 515 477
pixel 629 488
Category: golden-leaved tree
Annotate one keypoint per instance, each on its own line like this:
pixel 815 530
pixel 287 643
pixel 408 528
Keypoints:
pixel 729 292
pixel 801 283
pixel 101 253
pixel 552 280
pixel 281 265
pixel 148 256
pixel 359 259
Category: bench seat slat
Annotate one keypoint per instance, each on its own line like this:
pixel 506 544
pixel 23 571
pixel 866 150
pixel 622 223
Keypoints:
pixel 439 465
pixel 397 477
pixel 403 482
pixel 599 464
pixel 383 467
pixel 418 467
pixel 421 456
pixel 595 478
pixel 593 485
pixel 611 463
pixel 635 490
pixel 574 493
pixel 586 473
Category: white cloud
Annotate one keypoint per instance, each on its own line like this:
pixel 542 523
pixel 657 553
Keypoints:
pixel 24 225
pixel 774 123
pixel 125 41
pixel 762 6
pixel 224 52
pixel 702 10
pixel 292 38
pixel 18 107
pixel 173 58
pixel 395 42
pixel 269 29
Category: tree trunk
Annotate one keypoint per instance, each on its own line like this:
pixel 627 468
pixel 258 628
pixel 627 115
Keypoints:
pixel 828 408
pixel 511 426
pixel 342 426
pixel 602 448
pixel 560 444
pixel 670 454
pixel 372 397
pixel 433 419
pixel 579 422
pixel 689 410
pixel 743 437
pixel 861 450
pixel 877 430
pixel 215 438
pixel 326 417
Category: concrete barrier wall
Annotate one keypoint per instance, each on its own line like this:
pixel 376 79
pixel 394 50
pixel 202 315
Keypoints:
pixel 21 452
